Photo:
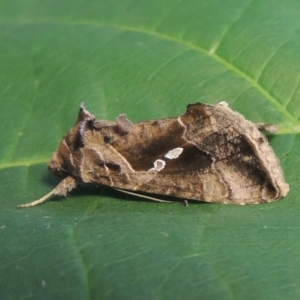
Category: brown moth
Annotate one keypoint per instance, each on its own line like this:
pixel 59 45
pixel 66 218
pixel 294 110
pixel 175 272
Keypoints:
pixel 210 154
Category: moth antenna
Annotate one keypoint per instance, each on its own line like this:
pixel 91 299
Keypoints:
pixel 143 196
pixel 37 202
pixel 65 186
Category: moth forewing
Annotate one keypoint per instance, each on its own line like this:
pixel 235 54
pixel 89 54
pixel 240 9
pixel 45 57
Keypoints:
pixel 210 154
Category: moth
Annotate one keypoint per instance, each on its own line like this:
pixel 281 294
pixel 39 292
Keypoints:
pixel 211 154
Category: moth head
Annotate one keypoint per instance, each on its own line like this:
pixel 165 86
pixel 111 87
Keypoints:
pixel 62 161
pixel 57 165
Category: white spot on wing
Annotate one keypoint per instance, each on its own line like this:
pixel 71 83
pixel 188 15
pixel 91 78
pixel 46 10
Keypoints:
pixel 159 164
pixel 174 153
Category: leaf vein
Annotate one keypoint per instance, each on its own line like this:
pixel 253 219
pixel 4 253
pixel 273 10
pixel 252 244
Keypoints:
pixel 272 99
pixel 168 61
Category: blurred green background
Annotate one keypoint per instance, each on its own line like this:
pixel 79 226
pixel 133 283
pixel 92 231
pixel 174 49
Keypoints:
pixel 148 59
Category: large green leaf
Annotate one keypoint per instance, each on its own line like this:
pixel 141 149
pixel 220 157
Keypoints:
pixel 148 59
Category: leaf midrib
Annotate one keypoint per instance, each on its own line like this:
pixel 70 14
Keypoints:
pixel 295 124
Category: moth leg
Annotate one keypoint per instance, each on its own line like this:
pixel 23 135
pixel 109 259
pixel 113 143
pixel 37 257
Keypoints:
pixel 143 196
pixel 124 124
pixel 272 128
pixel 65 186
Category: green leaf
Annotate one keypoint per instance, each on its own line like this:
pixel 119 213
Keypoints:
pixel 147 59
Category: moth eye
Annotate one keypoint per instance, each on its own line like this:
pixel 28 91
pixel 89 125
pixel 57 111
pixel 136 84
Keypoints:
pixel 107 139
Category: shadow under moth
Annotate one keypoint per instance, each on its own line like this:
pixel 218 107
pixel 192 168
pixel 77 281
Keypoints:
pixel 210 154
